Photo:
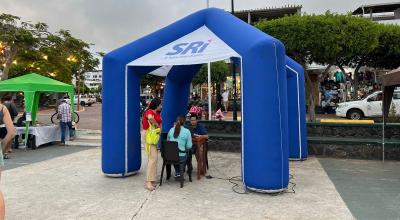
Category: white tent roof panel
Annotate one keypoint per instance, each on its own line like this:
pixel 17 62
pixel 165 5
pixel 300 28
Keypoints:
pixel 199 46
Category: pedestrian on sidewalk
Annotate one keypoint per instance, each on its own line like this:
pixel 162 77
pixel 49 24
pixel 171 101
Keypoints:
pixel 64 114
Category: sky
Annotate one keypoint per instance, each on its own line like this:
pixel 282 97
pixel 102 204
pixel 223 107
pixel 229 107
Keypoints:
pixel 110 24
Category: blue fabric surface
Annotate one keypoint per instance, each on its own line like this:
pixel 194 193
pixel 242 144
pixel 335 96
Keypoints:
pixel 298 148
pixel 265 144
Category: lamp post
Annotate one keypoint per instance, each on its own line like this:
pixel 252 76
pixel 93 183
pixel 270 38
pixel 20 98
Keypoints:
pixel 233 66
pixel 72 59
pixel 79 91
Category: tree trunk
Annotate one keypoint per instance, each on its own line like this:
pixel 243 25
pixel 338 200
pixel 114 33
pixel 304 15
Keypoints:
pixel 326 71
pixel 356 80
pixel 311 107
pixel 9 60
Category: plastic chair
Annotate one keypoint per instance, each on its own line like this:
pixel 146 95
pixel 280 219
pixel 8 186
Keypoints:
pixel 170 154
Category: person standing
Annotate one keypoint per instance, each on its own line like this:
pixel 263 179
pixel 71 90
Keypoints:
pixel 6 137
pixel 64 114
pixel 12 109
pixel 225 98
pixel 152 117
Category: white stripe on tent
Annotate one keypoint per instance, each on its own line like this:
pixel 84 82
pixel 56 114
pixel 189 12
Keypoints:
pixel 298 107
pixel 126 119
pixel 280 113
pixel 242 117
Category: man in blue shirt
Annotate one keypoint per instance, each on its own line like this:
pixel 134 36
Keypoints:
pixel 197 130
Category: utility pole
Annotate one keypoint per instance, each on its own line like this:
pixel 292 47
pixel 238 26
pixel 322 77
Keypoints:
pixel 234 106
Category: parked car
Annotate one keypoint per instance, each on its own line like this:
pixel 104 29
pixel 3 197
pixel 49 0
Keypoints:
pixel 371 106
pixel 85 100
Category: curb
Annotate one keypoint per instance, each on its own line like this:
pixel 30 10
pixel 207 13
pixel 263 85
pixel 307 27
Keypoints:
pixel 82 144
pixel 88 137
pixel 87 131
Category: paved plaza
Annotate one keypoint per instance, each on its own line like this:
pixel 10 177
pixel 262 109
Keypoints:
pixel 72 186
pixel 66 182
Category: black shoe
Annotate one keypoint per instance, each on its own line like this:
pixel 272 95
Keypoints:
pixel 6 156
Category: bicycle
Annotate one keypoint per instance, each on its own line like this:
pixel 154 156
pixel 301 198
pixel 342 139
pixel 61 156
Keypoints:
pixel 54 119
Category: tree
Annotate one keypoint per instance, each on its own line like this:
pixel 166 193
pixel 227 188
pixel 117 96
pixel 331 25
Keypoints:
pixel 152 81
pixel 17 37
pixel 332 39
pixel 219 72
pixel 26 47
pixel 387 54
pixel 80 59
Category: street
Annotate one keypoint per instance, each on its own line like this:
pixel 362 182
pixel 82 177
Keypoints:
pixel 90 117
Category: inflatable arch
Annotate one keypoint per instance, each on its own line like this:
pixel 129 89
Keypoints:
pixel 298 149
pixel 177 51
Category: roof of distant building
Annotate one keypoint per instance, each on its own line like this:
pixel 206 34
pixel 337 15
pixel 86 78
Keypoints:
pixel 268 13
pixel 377 8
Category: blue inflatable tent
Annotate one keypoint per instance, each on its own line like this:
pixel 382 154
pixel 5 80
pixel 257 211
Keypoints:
pixel 298 149
pixel 177 52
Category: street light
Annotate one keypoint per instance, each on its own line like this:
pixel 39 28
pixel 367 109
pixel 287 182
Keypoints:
pixel 73 59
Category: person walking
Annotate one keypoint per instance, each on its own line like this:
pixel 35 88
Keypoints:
pixel 7 135
pixel 225 99
pixel 152 120
pixel 64 114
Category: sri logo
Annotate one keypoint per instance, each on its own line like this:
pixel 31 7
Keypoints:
pixel 184 48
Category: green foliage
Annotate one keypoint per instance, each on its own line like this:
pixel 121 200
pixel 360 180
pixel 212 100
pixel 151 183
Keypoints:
pixel 324 39
pixel 32 48
pixel 387 54
pixel 151 80
pixel 219 72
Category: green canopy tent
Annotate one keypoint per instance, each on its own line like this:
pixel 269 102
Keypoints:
pixel 32 85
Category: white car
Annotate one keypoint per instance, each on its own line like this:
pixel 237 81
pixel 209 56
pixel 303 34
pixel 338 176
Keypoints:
pixel 368 107
pixel 84 100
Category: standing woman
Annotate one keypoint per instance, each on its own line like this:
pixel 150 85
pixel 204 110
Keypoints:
pixel 7 135
pixel 152 118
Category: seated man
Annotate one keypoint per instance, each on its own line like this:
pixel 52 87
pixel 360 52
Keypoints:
pixel 197 130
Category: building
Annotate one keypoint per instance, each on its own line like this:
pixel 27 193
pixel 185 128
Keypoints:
pixel 383 13
pixel 252 16
pixel 93 79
